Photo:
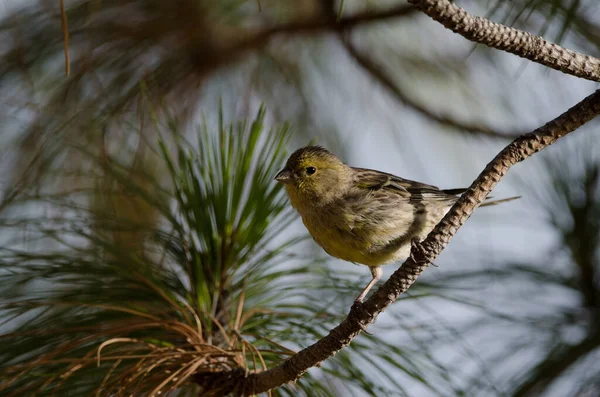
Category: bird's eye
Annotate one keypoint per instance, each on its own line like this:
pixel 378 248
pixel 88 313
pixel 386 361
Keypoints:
pixel 310 170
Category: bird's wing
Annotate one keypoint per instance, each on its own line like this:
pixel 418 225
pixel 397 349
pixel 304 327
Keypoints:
pixel 415 191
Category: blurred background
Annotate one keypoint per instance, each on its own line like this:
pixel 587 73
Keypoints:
pixel 145 248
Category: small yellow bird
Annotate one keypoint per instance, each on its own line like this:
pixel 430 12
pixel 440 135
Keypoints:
pixel 361 215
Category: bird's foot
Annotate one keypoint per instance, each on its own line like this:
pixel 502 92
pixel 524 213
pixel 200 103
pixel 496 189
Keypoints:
pixel 357 305
pixel 359 299
pixel 417 252
pixel 356 308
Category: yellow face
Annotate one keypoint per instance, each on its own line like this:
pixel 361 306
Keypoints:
pixel 312 176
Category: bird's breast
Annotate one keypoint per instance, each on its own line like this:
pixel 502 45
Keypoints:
pixel 355 237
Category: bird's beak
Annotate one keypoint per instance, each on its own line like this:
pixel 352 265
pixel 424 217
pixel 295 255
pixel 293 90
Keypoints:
pixel 284 176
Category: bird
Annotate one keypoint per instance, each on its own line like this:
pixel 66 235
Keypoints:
pixel 360 215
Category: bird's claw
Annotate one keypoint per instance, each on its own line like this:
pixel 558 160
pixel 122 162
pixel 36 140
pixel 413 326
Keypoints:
pixel 417 251
pixel 357 306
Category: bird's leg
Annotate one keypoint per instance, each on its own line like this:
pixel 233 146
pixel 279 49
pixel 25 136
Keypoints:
pixel 376 272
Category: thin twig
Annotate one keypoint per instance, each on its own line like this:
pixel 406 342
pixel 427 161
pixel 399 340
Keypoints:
pixel 65 29
pixel 448 121
pixel 319 25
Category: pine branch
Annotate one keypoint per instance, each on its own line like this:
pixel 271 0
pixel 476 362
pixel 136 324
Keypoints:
pixel 515 41
pixel 422 254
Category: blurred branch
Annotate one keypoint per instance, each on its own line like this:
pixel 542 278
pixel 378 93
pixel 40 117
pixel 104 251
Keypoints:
pixel 183 40
pixel 583 241
pixel 326 24
pixel 422 254
pixel 65 29
pixel 347 22
pixel 378 74
pixel 515 41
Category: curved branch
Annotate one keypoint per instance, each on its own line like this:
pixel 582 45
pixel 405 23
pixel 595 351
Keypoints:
pixel 445 120
pixel 320 25
pixel 515 41
pixel 422 254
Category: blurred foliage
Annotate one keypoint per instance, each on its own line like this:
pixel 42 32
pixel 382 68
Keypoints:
pixel 171 49
pixel 572 206
pixel 553 19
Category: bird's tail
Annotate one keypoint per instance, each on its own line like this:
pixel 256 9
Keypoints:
pixel 495 202
pixel 458 192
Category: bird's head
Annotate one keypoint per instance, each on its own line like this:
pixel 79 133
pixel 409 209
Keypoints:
pixel 314 176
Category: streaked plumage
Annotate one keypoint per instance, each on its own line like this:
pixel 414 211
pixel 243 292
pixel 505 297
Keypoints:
pixel 360 215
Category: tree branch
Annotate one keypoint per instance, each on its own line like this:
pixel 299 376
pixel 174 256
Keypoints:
pixel 515 41
pixel 324 25
pixel 347 22
pixel 422 254
pixel 448 121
